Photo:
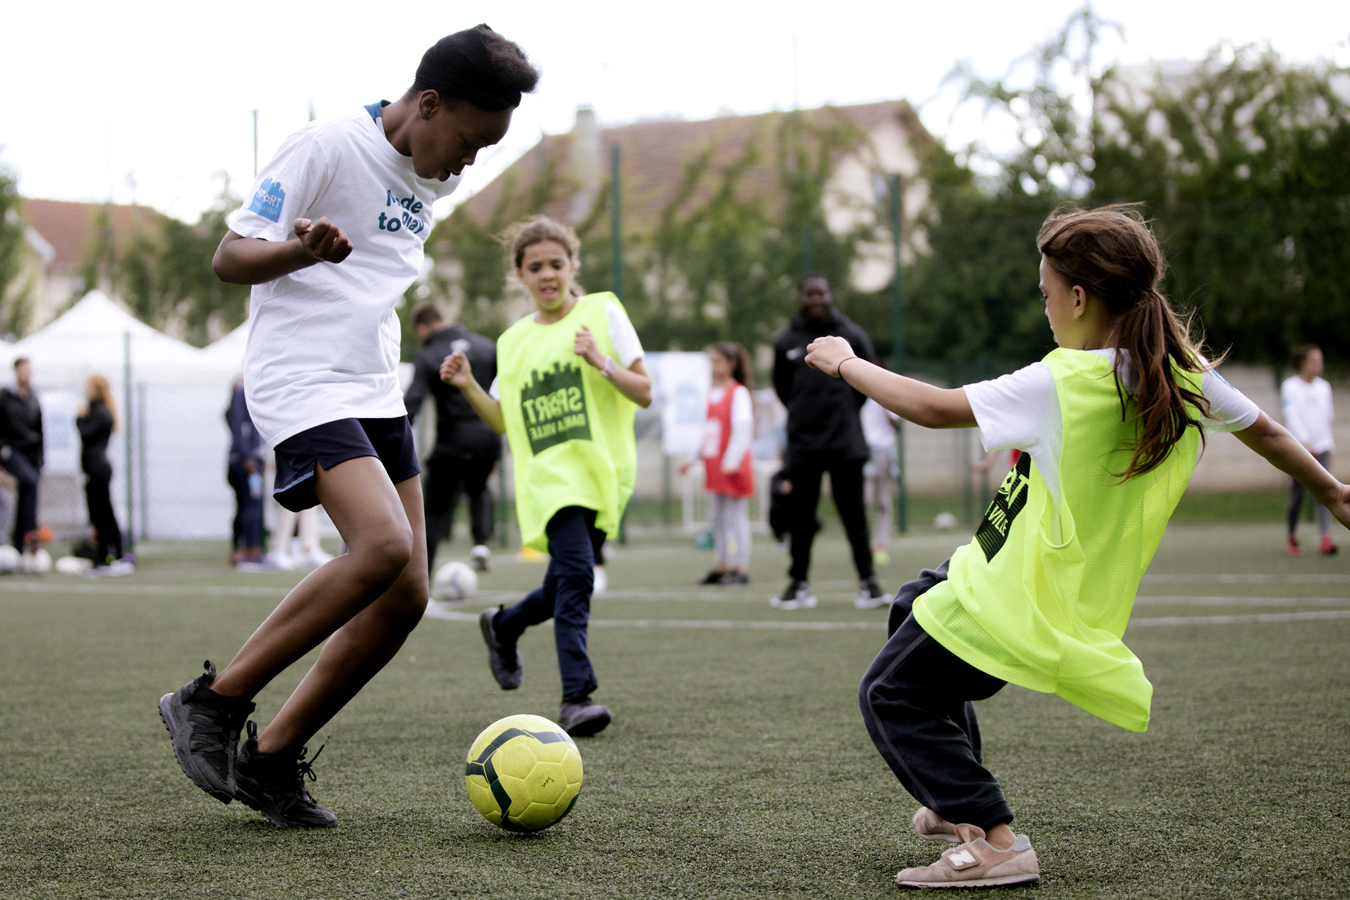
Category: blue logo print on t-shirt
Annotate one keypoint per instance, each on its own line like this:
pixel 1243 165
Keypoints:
pixel 268 200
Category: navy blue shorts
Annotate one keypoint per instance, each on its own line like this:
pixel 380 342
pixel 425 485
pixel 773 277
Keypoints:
pixel 300 455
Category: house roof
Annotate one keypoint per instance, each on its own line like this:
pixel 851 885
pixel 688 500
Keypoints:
pixel 69 227
pixel 653 156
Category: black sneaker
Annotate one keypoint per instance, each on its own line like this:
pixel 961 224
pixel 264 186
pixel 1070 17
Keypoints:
pixel 584 717
pixel 870 594
pixel 713 577
pixel 204 729
pixel 274 785
pixel 735 578
pixel 797 595
pixel 507 667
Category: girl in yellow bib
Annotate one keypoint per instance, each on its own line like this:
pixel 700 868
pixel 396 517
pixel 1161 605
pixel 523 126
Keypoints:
pixel 1110 426
pixel 569 380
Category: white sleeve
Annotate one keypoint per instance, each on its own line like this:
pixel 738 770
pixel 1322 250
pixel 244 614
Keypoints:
pixel 495 392
pixel 1229 408
pixel 1016 411
pixel 283 190
pixel 742 429
pixel 622 335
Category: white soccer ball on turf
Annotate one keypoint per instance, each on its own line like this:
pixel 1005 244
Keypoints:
pixel 523 773
pixel 454 581
pixel 10 558
pixel 944 522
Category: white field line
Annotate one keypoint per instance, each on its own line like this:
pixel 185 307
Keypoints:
pixel 438 611
pixel 1242 601
pixel 138 590
pixel 1226 578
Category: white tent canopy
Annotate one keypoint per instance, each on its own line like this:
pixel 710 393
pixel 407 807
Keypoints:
pixel 226 355
pixel 91 338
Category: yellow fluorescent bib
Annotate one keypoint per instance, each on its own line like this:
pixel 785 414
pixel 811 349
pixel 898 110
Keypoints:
pixel 570 430
pixel 1044 603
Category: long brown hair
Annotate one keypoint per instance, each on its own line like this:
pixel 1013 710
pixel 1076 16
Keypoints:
pixel 538 229
pixel 1112 254
pixel 735 354
pixel 103 394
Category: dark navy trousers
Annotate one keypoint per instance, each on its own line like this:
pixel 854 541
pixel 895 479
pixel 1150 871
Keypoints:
pixel 564 597
pixel 916 701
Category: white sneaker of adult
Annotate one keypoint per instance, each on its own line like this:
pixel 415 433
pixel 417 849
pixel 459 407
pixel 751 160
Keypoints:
pixel 314 557
pixel 601 582
pixel 281 560
pixel 480 558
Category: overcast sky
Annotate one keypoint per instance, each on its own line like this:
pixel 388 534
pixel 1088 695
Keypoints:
pixel 100 95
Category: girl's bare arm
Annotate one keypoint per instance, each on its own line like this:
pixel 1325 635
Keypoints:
pixel 1283 451
pixel 921 403
pixel 455 370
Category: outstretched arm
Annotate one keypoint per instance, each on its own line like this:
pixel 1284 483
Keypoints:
pixel 455 370
pixel 921 403
pixel 1283 451
pixel 241 260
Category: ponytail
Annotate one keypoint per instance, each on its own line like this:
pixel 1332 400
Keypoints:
pixel 1111 253
pixel 734 353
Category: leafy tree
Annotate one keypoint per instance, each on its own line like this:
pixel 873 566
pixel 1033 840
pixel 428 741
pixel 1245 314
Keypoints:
pixel 721 261
pixel 168 282
pixel 1243 162
pixel 15 291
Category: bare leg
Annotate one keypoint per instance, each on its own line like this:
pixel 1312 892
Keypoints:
pixel 382 526
pixel 359 649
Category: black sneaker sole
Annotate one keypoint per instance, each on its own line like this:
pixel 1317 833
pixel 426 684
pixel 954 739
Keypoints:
pixel 591 726
pixel 507 681
pixel 221 792
pixel 276 818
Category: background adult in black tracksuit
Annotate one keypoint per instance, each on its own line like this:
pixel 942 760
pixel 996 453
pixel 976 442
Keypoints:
pixel 824 434
pixel 96 422
pixel 466 449
pixel 21 450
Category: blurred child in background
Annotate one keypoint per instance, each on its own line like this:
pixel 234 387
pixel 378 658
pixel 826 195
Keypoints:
pixel 879 476
pixel 728 468
pixel 1308 411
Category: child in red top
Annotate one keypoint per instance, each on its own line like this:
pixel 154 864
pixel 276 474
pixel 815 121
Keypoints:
pixel 728 468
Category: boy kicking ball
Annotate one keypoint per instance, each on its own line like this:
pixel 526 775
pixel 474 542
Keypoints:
pixel 331 240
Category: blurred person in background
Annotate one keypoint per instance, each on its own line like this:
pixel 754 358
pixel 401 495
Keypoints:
pixel 96 420
pixel 245 474
pixel 466 448
pixel 728 467
pixel 880 473
pixel 295 540
pixel 21 452
pixel 824 434
pixel 1308 412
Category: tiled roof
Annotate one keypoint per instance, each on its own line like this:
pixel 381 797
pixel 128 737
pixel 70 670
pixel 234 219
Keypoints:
pixel 653 156
pixel 69 227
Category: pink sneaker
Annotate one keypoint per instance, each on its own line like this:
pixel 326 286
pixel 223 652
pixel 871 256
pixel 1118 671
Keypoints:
pixel 932 827
pixel 975 863
pixel 1292 548
pixel 1328 548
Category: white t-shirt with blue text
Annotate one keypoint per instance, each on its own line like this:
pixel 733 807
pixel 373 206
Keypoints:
pixel 323 342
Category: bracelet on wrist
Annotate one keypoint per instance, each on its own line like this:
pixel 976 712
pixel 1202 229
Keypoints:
pixel 840 369
pixel 608 367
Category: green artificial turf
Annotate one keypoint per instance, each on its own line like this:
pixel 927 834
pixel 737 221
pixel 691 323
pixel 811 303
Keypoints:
pixel 737 764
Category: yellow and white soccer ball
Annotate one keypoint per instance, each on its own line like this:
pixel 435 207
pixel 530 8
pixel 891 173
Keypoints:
pixel 454 581
pixel 523 773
